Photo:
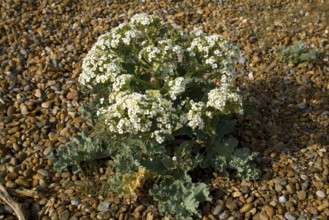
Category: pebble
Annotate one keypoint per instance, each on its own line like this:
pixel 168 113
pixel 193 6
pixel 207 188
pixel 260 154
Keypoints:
pixel 280 181
pixel 23 52
pixel 217 209
pixel 22 183
pixel 282 199
pixel 231 204
pixel 290 216
pixel 104 206
pixel 75 201
pixel 65 215
pixel 268 210
pixel 43 172
pixel 320 194
pixel 224 215
pixel 246 208
pixel 47 151
pixel 301 195
pixel 236 194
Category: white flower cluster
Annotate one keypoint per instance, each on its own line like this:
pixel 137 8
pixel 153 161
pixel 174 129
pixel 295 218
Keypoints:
pixel 142 19
pixel 135 113
pixel 194 115
pixel 215 51
pixel 176 87
pixel 220 98
pixel 98 67
pixel 133 54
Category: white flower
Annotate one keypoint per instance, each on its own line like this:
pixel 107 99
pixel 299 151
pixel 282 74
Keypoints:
pixel 176 87
pixel 142 19
pixel 219 98
pixel 194 115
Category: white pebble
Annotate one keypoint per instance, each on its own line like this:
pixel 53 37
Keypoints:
pixel 282 199
pixel 75 201
pixel 320 194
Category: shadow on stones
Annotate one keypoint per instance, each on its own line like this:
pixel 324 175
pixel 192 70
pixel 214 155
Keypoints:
pixel 287 110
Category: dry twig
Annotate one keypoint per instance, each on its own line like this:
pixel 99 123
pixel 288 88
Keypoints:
pixel 4 195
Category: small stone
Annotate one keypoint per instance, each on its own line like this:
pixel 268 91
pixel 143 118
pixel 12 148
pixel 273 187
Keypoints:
pixel 223 215
pixel 278 187
pixel 244 189
pixel 263 216
pixel 269 210
pixel 75 201
pixel 282 199
pixel 301 195
pixel 24 109
pixel 246 208
pixel 290 216
pixel 280 181
pixel 43 172
pixel 42 183
pixel 236 194
pixel 140 208
pixel 52 136
pixel 65 215
pixel 217 209
pixel 291 188
pixel 231 204
pixel 46 104
pixel 43 201
pixel 23 52
pixel 242 60
pixel 11 176
pixel 251 76
pixel 103 215
pixel 11 185
pixel 104 206
pixel 322 207
pixel 320 194
pixel 38 93
pixel 47 151
pixel 290 206
pixel 22 183
pixel 11 110
pixel 72 95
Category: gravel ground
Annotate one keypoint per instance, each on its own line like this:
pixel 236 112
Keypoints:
pixel 42 44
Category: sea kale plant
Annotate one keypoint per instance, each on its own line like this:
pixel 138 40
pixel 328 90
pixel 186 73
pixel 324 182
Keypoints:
pixel 162 111
pixel 299 54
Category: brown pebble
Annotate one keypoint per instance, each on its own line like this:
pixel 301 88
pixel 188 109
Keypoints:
pixel 246 208
pixel 11 176
pixel 269 210
pixel 301 195
pixel 11 185
pixel 22 183
pixel 11 110
pixel 322 207
pixel 263 216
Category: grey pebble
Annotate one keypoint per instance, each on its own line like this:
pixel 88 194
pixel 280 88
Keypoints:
pixel 280 181
pixel 242 60
pixel 23 52
pixel 43 172
pixel 47 151
pixel 282 199
pixel 103 206
pixel 223 215
pixel 64 215
pixel 217 209
pixel 290 216
pixel 75 201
